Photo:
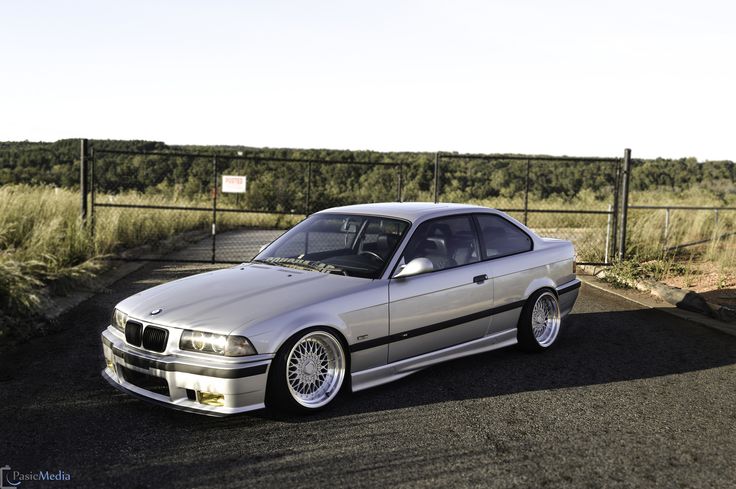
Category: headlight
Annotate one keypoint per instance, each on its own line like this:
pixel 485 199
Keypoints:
pixel 119 319
pixel 218 344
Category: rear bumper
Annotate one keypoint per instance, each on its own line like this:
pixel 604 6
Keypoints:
pixel 568 294
pixel 228 387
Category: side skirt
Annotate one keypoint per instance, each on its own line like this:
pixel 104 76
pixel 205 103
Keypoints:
pixel 393 371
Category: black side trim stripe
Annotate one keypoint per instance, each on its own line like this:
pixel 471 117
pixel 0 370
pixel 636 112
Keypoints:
pixel 569 288
pixel 364 345
pixel 222 373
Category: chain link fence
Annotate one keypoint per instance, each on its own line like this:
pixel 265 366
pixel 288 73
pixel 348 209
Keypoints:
pixel 568 198
pixel 658 223
pixel 583 199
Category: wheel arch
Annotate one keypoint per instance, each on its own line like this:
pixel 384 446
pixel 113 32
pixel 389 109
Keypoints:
pixel 338 332
pixel 271 389
pixel 539 284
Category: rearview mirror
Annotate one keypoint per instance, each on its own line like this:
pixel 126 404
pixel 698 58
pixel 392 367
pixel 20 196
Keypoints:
pixel 349 226
pixel 415 267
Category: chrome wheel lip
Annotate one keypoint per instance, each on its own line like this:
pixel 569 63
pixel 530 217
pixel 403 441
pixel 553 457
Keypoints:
pixel 315 369
pixel 546 319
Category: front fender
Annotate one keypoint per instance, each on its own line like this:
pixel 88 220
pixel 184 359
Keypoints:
pixel 356 316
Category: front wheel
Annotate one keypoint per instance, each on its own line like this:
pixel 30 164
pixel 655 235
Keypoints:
pixel 307 372
pixel 539 323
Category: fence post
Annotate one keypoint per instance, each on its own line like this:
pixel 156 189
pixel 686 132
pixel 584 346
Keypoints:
pixel 624 203
pixel 214 205
pixel 436 177
pixel 309 186
pixel 93 163
pixel 608 234
pixel 616 210
pixel 83 180
pixel 666 224
pixel 401 175
pixel 526 192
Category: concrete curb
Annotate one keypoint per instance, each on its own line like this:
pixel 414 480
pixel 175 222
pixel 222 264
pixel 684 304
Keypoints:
pixel 686 299
pixel 652 301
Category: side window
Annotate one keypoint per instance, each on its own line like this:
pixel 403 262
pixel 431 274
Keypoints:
pixel 502 238
pixel 446 242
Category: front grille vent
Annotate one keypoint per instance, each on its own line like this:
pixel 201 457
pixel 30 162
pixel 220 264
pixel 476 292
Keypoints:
pixel 154 339
pixel 133 333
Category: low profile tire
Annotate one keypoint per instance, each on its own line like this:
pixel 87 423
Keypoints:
pixel 308 372
pixel 539 323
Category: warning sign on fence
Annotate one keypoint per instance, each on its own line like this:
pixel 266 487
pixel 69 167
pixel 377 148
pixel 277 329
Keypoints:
pixel 234 184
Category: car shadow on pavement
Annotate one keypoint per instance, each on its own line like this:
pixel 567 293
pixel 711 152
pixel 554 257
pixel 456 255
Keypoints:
pixel 593 348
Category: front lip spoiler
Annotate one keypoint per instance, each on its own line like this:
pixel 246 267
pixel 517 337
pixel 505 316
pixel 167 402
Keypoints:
pixel 221 373
pixel 168 405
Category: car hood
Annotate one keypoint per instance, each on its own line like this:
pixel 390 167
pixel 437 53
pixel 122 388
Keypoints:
pixel 225 300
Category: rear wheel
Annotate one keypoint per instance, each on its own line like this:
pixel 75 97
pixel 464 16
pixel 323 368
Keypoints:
pixel 307 372
pixel 539 324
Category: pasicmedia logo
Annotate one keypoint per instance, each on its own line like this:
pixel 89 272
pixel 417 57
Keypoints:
pixel 5 482
pixel 10 479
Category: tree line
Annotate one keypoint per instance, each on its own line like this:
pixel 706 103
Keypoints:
pixel 274 183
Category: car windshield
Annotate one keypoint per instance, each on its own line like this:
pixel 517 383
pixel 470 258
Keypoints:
pixel 353 245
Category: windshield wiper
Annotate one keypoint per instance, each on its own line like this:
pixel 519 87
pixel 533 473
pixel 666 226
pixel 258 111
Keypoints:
pixel 302 264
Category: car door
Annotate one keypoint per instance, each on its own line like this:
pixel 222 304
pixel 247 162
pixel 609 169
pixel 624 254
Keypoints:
pixel 447 306
pixel 504 246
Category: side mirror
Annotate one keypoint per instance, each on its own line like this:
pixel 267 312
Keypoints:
pixel 415 267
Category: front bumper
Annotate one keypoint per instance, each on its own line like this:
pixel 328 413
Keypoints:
pixel 215 387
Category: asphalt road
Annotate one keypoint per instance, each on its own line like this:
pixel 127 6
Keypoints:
pixel 627 398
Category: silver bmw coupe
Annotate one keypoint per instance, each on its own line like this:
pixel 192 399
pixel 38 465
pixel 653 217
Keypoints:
pixel 350 298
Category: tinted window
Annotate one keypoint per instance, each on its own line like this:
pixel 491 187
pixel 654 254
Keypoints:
pixel 446 242
pixel 502 238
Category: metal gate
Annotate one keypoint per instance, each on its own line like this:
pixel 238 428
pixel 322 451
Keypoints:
pixel 173 194
pixel 136 196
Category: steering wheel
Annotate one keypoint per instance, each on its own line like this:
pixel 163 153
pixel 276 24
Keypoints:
pixel 374 255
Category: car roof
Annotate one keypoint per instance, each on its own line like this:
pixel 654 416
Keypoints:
pixel 411 211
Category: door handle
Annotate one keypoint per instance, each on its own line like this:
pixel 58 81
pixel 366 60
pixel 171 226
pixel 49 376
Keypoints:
pixel 479 279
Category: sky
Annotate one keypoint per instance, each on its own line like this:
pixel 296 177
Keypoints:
pixel 560 77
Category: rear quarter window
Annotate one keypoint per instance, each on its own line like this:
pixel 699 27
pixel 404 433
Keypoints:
pixel 501 237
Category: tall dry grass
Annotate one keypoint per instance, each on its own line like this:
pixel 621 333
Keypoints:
pixel 45 248
pixel 43 242
pixel 647 239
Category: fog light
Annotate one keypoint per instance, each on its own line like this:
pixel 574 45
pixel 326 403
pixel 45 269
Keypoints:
pixel 210 398
pixel 110 364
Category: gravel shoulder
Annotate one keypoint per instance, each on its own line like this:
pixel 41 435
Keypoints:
pixel 629 397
